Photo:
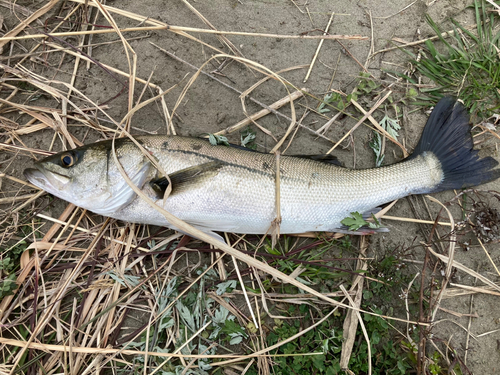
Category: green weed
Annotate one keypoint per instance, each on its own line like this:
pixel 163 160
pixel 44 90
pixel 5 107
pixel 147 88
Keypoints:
pixel 318 351
pixel 9 263
pixel 247 138
pixel 191 310
pixel 335 100
pixel 391 126
pixel 356 221
pixel 215 140
pixel 468 68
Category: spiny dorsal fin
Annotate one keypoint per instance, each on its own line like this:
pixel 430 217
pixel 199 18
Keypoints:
pixel 324 158
pixel 187 176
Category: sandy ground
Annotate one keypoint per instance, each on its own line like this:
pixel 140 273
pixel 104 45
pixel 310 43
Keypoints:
pixel 209 107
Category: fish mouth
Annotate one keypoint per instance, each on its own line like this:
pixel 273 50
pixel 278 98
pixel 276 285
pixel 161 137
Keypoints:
pixel 45 179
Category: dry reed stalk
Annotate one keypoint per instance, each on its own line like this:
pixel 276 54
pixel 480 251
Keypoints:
pixel 23 24
pixel 410 220
pixel 365 116
pixel 252 118
pixel 462 290
pixel 363 328
pixel 16 198
pixel 445 34
pixel 132 62
pixel 103 351
pixel 247 300
pixel 380 129
pixel 275 225
pixel 179 29
pixel 222 38
pixel 319 48
pixel 176 29
pixel 451 256
pixel 488 256
pixel 465 269
pixel 351 320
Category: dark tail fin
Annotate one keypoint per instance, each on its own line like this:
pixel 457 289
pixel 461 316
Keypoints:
pixel 447 135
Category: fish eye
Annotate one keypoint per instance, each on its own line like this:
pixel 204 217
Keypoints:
pixel 67 160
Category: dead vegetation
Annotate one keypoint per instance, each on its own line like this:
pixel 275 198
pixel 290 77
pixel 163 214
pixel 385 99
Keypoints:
pixel 82 294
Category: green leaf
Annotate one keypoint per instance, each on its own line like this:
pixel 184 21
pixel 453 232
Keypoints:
pixel 235 340
pixel 272 250
pixel 376 146
pixel 230 326
pixel 116 277
pixel 367 295
pixel 186 316
pixel 215 140
pixel 391 126
pixel 412 93
pixel 248 138
pixel 354 222
pixel 401 367
pixel 224 286
pixel 7 286
pixel 334 369
pixel 319 362
pixel 375 338
pixel 221 315
pixel 375 224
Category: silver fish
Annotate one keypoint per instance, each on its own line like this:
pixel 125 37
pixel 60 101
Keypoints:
pixel 229 189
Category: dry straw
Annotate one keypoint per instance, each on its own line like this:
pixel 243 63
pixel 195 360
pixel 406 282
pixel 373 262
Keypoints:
pixel 74 288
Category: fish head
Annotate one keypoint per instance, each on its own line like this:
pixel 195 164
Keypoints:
pixel 89 177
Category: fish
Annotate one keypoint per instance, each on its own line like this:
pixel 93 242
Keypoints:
pixel 220 188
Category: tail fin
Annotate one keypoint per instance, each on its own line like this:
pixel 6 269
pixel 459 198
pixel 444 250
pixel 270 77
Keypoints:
pixel 447 135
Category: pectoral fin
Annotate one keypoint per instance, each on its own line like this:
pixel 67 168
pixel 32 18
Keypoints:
pixel 185 177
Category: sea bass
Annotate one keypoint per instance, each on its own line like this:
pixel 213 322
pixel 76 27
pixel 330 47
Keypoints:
pixel 230 189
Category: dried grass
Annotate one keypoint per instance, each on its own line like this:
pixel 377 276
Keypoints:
pixel 77 286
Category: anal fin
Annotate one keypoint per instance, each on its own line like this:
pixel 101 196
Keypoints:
pixel 363 231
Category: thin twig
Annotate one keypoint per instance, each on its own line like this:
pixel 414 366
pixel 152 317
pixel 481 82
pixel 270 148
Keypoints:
pixel 319 47
pixel 365 116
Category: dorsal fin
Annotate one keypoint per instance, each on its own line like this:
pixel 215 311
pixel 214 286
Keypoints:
pixel 324 158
